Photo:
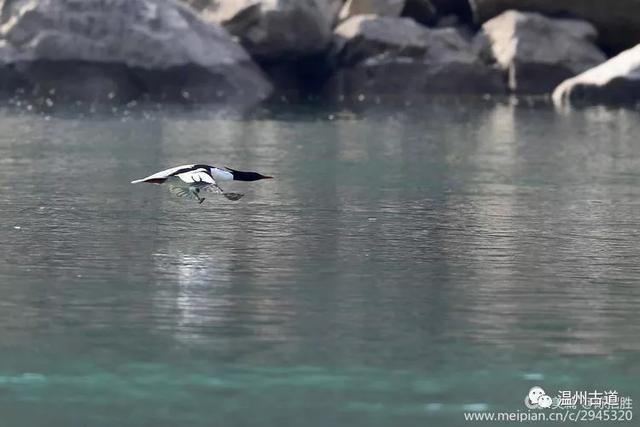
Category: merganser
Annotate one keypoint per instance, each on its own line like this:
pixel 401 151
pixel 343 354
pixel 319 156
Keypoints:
pixel 189 180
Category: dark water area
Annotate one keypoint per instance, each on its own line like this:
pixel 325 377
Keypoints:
pixel 405 266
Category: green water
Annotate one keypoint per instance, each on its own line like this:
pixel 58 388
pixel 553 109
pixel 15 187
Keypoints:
pixel 405 266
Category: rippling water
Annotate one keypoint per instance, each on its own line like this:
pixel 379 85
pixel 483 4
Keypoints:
pixel 404 266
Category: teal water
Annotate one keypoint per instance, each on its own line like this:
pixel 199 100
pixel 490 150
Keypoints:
pixel 405 266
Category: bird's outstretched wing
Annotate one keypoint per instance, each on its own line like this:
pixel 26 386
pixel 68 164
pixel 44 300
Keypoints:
pixel 161 177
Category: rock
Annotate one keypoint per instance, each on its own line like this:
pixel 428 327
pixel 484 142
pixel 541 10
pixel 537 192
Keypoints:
pixel 366 36
pixel 539 52
pixel 371 7
pixel 276 30
pixel 11 80
pixel 615 81
pixel 98 49
pixel 421 11
pixel 396 56
pixel 8 8
pixel 288 38
pixel 223 11
pixel 406 78
pixel 79 81
pixel 618 22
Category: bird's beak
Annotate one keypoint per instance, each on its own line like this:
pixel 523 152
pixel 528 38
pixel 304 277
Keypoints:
pixel 267 177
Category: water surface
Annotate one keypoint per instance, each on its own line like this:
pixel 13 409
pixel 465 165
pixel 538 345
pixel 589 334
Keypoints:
pixel 405 265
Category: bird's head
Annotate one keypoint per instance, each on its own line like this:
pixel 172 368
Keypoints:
pixel 247 176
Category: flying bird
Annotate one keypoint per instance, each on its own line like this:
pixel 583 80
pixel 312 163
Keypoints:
pixel 190 180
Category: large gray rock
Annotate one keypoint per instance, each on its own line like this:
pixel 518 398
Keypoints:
pixel 618 21
pixel 366 36
pixel 396 56
pixel 371 7
pixel 539 52
pixel 615 81
pixel 275 29
pixel 118 49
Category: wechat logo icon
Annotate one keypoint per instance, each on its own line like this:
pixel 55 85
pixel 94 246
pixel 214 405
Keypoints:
pixel 537 399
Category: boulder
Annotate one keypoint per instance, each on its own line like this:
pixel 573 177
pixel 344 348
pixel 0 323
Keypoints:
pixel 616 81
pixel 539 52
pixel 396 56
pixel 223 11
pixel 275 29
pixel 371 7
pixel 288 38
pixel 77 81
pixel 100 49
pixel 618 22
pixel 366 36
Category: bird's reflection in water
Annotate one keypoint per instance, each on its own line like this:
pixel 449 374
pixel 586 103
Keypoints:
pixel 199 297
pixel 205 307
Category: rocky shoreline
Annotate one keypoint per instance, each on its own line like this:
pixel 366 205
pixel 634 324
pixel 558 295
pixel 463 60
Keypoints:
pixel 243 52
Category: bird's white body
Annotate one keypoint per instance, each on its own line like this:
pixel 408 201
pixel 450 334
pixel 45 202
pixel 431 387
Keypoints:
pixel 189 180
